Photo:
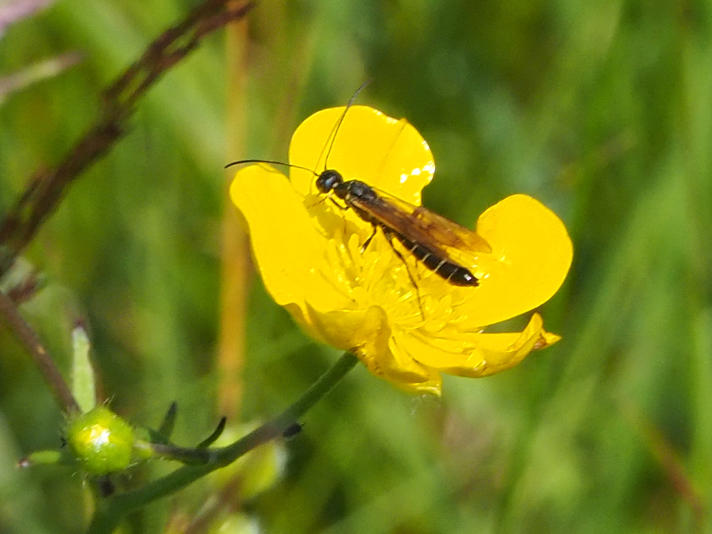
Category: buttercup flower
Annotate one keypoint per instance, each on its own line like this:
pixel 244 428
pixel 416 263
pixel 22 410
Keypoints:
pixel 405 323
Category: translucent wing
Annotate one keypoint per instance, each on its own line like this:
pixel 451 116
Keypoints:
pixel 422 226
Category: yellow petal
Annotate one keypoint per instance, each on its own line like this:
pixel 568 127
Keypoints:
pixel 430 386
pixel 384 152
pixel 364 331
pixel 531 254
pixel 288 250
pixel 478 354
pixel 505 350
pixel 367 334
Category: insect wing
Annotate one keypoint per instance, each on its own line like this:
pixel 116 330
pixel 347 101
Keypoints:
pixel 422 226
pixel 450 233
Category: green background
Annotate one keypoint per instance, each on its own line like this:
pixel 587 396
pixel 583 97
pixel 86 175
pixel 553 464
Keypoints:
pixel 602 110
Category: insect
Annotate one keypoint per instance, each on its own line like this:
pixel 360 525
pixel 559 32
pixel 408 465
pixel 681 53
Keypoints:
pixel 429 237
pixel 434 241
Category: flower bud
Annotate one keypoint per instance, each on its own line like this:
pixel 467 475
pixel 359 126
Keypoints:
pixel 101 441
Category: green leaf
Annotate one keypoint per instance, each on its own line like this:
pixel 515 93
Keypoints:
pixel 83 387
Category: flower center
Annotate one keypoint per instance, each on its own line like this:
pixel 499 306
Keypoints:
pixel 386 275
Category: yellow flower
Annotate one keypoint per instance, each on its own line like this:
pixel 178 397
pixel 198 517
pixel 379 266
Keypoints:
pixel 310 254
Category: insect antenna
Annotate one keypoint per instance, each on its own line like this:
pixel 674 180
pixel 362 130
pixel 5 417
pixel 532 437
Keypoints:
pixel 327 146
pixel 335 129
pixel 271 162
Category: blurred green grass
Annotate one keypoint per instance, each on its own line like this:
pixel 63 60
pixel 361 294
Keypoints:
pixel 601 110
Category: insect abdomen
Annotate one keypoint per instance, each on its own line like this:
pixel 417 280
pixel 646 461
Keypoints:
pixel 452 272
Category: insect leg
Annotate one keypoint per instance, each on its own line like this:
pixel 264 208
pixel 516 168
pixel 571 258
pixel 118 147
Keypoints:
pixel 389 238
pixel 342 208
pixel 368 241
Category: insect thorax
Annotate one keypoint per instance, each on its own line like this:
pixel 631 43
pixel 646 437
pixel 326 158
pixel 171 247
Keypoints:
pixel 356 190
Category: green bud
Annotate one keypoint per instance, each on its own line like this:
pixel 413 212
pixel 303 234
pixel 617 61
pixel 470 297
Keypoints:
pixel 101 441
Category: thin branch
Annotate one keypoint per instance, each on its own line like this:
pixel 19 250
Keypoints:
pixel 24 289
pixel 29 338
pixel 46 187
pixel 112 510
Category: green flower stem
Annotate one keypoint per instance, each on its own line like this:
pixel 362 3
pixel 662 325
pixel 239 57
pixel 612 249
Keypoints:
pixel 110 511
